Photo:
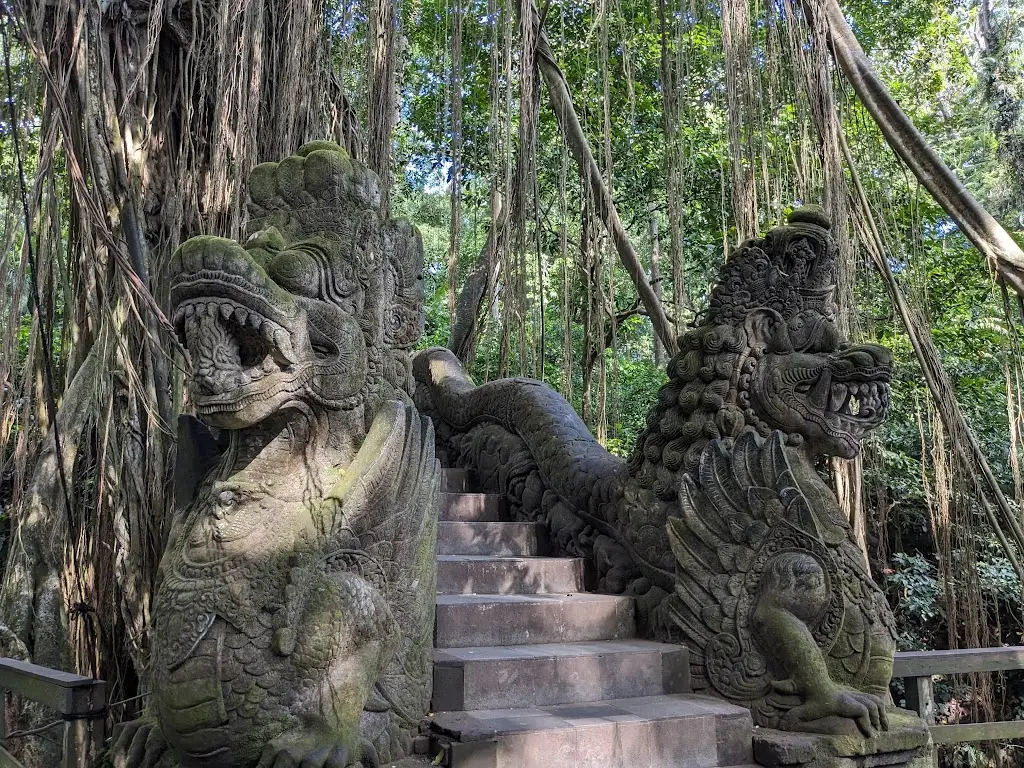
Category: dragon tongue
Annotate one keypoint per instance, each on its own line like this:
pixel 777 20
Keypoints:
pixel 214 350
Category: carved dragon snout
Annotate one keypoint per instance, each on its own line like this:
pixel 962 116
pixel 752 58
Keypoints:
pixel 832 401
pixel 256 343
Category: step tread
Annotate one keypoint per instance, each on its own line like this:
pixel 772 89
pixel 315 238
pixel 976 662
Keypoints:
pixel 669 731
pixel 471 507
pixel 469 620
pixel 482 524
pixel 509 559
pixel 508 574
pixel 483 653
pixel 559 597
pixel 490 538
pixel 480 724
pixel 545 674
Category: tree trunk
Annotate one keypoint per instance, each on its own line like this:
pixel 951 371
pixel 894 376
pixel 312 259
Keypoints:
pixel 382 102
pixel 670 76
pixel 455 101
pixel 739 95
pixel 479 284
pixel 659 348
pixel 569 123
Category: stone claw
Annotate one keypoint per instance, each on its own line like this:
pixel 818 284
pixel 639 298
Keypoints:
pixel 137 744
pixel 865 709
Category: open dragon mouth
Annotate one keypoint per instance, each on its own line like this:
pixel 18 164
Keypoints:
pixel 234 349
pixel 867 401
pixel 862 403
pixel 832 401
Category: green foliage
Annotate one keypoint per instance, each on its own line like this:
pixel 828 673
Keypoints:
pixel 912 578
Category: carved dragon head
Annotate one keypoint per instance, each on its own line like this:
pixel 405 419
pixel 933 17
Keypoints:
pixel 767 354
pixel 319 306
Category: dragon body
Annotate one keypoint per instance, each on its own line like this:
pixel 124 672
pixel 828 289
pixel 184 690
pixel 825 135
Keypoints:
pixel 718 523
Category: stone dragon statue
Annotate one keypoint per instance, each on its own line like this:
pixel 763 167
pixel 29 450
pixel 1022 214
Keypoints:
pixel 719 523
pixel 294 615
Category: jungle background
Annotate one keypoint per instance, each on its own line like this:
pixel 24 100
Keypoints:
pixel 129 126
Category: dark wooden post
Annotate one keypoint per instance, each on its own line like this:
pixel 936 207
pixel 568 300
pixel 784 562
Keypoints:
pixel 921 699
pixel 80 701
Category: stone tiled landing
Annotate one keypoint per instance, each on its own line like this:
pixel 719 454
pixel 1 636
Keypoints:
pixel 684 731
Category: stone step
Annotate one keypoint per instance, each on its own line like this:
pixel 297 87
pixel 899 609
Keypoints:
pixel 505 539
pixel 491 575
pixel 471 507
pixel 556 673
pixel 470 620
pixel 456 480
pixel 680 731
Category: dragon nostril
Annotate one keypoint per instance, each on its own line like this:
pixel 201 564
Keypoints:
pixel 213 255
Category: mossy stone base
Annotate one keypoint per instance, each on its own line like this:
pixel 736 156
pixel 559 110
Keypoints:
pixel 907 744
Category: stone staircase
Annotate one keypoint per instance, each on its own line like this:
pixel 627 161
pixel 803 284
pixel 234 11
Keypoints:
pixel 531 671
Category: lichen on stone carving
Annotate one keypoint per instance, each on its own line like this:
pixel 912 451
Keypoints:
pixel 771 592
pixel 719 523
pixel 294 615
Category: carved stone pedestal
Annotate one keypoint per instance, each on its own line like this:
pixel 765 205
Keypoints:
pixel 906 744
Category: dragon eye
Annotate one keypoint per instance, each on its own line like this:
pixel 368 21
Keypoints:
pixel 802 388
pixel 296 272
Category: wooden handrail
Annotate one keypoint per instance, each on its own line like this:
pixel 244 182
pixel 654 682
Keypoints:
pixel 64 692
pixel 917 669
pixel 919 663
pixel 80 701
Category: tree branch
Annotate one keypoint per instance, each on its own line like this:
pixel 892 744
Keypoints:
pixel 1003 254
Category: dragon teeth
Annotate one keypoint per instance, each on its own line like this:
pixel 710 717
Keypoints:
pixel 226 311
pixel 284 343
pixel 840 395
pixel 240 316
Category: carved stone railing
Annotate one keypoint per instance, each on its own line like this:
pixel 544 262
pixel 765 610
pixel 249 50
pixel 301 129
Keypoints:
pixel 917 669
pixel 79 701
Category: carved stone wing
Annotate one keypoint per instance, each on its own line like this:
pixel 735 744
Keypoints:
pixel 394 474
pixel 743 508
pixel 386 530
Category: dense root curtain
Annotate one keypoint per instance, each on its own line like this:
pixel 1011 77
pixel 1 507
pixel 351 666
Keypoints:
pixel 569 123
pixel 160 110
